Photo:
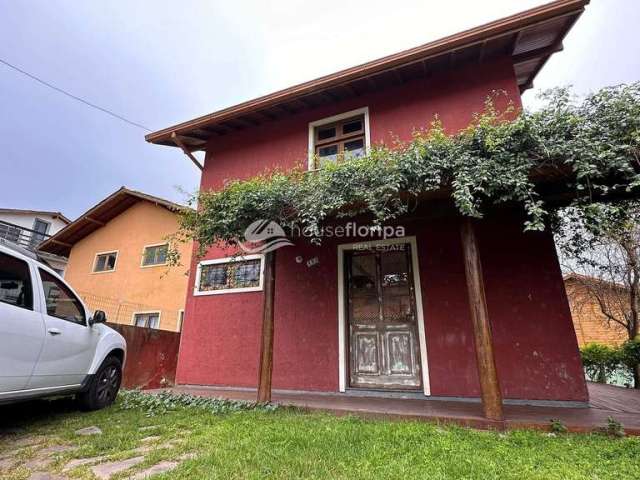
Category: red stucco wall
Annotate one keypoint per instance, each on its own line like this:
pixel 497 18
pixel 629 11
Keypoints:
pixel 535 344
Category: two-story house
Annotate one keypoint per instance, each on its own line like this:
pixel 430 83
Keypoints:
pixel 29 228
pixel 118 262
pixel 395 318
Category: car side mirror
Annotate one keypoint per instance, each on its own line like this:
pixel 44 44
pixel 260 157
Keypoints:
pixel 98 317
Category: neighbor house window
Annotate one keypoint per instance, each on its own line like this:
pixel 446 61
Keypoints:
pixel 338 138
pixel 242 274
pixel 155 255
pixel 147 319
pixel 180 319
pixel 40 229
pixel 105 262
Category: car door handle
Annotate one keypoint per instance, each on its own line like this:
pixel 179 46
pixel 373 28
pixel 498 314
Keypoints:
pixel 54 331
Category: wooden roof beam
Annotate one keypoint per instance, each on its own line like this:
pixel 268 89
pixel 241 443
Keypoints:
pixel 537 53
pixel 176 139
pixel 93 220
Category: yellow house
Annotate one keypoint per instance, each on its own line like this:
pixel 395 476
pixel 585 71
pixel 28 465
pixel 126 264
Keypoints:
pixel 117 254
pixel 590 324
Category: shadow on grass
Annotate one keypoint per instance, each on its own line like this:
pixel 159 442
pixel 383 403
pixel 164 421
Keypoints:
pixel 21 417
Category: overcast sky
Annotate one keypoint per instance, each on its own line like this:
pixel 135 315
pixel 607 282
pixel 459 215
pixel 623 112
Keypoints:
pixel 162 62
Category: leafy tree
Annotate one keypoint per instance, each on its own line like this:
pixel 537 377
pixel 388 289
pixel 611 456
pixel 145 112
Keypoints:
pixel 589 149
pixel 601 242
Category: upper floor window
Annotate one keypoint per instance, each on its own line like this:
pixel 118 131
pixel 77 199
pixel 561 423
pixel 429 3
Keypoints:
pixel 339 137
pixel 155 255
pixel 105 262
pixel 226 275
pixel 40 230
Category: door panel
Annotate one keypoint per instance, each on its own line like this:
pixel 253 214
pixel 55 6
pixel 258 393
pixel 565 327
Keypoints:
pixel 21 327
pixel 383 345
pixel 367 355
pixel 69 344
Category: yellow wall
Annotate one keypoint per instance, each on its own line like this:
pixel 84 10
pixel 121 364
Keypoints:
pixel 131 288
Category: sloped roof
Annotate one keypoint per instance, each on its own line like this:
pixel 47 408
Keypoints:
pixel 529 38
pixel 36 212
pixel 97 216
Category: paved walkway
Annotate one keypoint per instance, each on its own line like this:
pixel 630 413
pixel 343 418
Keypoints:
pixel 40 457
pixel 605 401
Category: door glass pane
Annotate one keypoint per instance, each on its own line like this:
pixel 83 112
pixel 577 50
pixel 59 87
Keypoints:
pixel 15 282
pixel 364 302
pixel 61 303
pixel 396 294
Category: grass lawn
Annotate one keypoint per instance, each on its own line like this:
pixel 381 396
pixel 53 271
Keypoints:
pixel 290 444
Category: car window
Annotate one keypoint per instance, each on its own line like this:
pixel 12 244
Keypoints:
pixel 15 282
pixel 60 301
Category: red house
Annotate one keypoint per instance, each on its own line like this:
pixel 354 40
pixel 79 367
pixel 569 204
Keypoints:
pixel 406 314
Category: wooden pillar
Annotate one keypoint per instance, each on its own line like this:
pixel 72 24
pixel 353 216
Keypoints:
pixel 489 384
pixel 266 346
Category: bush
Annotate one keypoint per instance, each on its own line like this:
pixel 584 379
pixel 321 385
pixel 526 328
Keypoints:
pixel 630 353
pixel 159 403
pixel 600 361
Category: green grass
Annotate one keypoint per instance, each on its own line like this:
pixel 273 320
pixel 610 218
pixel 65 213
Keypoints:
pixel 290 444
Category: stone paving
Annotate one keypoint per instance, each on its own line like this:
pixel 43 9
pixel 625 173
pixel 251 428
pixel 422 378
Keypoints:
pixel 40 457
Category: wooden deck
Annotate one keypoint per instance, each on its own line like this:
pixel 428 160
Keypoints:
pixel 605 401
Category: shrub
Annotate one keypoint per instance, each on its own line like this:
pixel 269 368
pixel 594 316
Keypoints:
pixel 159 403
pixel 600 361
pixel 557 426
pixel 614 428
pixel 630 353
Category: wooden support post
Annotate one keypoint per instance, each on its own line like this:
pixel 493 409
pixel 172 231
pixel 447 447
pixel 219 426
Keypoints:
pixel 266 347
pixel 489 385
pixel 185 150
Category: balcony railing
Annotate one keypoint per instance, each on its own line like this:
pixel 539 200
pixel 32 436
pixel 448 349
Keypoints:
pixel 25 237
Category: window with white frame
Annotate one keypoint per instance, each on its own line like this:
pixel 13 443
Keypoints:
pixel 105 262
pixel 242 274
pixel 155 255
pixel 338 138
pixel 147 319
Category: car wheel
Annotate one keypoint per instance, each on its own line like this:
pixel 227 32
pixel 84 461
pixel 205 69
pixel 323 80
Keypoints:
pixel 103 387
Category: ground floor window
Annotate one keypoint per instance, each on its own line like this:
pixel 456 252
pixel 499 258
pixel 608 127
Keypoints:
pixel 147 319
pixel 227 275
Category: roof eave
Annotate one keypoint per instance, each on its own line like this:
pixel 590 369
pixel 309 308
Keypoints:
pixel 505 26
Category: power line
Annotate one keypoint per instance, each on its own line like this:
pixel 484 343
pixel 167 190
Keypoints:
pixel 82 100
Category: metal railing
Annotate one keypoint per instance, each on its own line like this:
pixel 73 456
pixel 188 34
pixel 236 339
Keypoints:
pixel 25 237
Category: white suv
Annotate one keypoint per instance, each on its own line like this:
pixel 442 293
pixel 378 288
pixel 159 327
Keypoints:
pixel 50 344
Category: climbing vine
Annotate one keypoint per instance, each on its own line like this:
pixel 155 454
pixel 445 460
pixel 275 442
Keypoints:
pixel 590 145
